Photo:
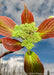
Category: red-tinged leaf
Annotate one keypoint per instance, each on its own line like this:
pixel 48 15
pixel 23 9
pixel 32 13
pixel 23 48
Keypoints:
pixel 11 44
pixel 46 28
pixel 6 26
pixel 27 16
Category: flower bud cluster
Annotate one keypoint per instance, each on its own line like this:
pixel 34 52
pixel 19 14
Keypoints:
pixel 28 33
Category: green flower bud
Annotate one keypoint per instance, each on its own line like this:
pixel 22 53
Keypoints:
pixel 28 34
pixel 16 27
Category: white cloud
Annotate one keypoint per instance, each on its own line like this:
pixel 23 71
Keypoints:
pixel 16 63
pixel 22 51
pixel 11 65
pixel 2 49
pixel 41 9
pixel 50 68
pixel 0 1
pixel 35 6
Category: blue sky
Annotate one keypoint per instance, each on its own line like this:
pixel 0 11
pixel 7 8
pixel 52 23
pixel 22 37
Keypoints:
pixel 41 10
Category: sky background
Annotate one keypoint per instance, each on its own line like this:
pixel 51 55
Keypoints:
pixel 41 10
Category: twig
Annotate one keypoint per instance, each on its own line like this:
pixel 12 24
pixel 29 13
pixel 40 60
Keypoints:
pixel 6 53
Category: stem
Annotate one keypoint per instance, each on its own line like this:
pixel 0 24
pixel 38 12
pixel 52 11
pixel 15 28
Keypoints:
pixel 29 52
pixel 0 41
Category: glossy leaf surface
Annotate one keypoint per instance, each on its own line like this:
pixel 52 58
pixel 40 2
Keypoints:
pixel 11 44
pixel 46 28
pixel 6 26
pixel 27 16
pixel 32 63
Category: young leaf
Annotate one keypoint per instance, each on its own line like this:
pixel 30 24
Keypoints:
pixel 32 64
pixel 27 16
pixel 11 44
pixel 6 26
pixel 46 28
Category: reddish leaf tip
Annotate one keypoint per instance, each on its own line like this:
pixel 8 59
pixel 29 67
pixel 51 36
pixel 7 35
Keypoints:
pixel 26 16
pixel 24 5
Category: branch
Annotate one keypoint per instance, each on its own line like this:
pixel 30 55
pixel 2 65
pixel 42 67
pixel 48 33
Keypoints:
pixel 6 53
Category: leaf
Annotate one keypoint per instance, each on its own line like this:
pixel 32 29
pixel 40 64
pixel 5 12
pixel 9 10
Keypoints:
pixel 11 44
pixel 26 16
pixel 32 63
pixel 6 26
pixel 46 28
